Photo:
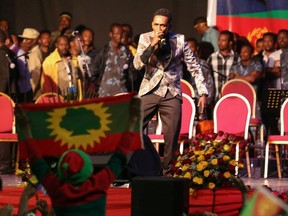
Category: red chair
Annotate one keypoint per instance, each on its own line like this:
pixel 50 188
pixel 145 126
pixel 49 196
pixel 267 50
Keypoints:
pixel 187 123
pixel 7 126
pixel 246 89
pixel 49 97
pixel 187 88
pixel 276 140
pixel 232 115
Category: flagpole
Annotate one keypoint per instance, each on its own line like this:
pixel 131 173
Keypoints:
pixel 211 12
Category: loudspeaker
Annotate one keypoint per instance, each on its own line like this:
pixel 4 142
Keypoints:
pixel 156 196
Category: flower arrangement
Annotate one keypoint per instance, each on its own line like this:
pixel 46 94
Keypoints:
pixel 209 162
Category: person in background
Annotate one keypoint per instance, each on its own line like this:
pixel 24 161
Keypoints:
pixel 59 70
pixel 259 46
pixel 202 51
pixel 64 24
pixel 87 38
pixel 28 42
pixel 274 62
pixel 36 58
pixel 8 68
pixel 222 60
pixel 112 65
pixel 127 37
pixel 4 25
pixel 247 69
pixel 160 52
pixel 269 119
pixel 209 34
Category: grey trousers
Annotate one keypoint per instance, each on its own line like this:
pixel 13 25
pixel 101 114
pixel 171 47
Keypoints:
pixel 170 111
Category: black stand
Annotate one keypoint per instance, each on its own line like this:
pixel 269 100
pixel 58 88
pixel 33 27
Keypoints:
pixel 273 99
pixel 271 104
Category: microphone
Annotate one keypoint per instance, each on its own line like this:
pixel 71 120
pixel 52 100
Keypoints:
pixel 162 42
pixel 24 54
pixel 11 64
pixel 74 33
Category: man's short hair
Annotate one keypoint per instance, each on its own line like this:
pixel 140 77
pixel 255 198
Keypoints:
pixel 199 20
pixel 163 12
pixel 270 34
pixel 229 34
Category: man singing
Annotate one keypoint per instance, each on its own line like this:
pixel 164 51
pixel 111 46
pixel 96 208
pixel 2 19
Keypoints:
pixel 160 52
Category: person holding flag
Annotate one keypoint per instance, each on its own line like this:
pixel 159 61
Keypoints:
pixel 74 189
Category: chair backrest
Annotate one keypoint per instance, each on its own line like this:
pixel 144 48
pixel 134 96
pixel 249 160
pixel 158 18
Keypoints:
pixel 188 115
pixel 244 88
pixel 284 118
pixel 187 88
pixel 49 97
pixel 6 114
pixel 232 114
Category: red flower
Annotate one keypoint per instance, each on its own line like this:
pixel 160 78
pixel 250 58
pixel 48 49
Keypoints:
pixel 220 133
pixel 242 144
pixel 220 161
pixel 186 161
pixel 206 137
pixel 231 168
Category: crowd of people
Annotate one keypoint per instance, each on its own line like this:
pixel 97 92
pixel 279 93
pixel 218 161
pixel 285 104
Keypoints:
pixel 66 62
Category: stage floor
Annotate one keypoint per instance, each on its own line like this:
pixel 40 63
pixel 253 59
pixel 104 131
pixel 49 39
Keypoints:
pixel 280 185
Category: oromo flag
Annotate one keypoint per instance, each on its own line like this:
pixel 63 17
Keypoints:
pixel 250 18
pixel 94 125
pixel 264 203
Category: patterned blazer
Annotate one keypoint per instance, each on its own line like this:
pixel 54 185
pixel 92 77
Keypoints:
pixel 155 71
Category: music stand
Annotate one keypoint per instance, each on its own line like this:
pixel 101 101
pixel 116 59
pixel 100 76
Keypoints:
pixel 273 99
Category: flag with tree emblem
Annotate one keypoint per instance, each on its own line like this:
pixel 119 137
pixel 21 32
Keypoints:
pixel 93 126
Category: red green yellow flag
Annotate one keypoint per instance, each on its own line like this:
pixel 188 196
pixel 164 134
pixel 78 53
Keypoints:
pixel 264 203
pixel 93 126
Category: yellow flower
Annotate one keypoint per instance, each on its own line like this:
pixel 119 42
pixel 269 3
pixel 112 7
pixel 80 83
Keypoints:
pixel 227 147
pixel 203 143
pixel 240 165
pixel 201 158
pixel 206 173
pixel 211 185
pixel 192 192
pixel 198 180
pixel 215 143
pixel 214 161
pixel 188 175
pixel 226 158
pixel 202 165
pixel 185 167
pixel 232 162
pixel 193 158
pixel 227 174
pixel 179 158
pixel 178 164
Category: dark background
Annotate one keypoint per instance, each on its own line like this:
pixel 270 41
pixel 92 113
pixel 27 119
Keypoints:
pixel 98 15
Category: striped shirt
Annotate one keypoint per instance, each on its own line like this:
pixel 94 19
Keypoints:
pixel 221 67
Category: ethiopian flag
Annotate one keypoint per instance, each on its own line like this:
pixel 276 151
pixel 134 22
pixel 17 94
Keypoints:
pixel 249 18
pixel 94 125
